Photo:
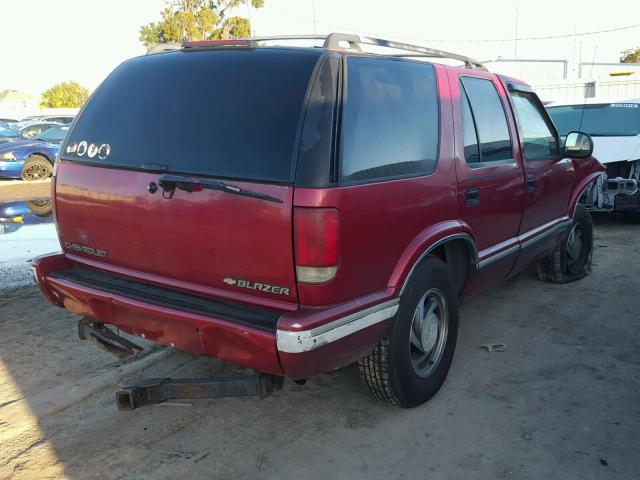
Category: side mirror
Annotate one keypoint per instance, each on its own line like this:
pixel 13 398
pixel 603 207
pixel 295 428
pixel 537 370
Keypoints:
pixel 578 145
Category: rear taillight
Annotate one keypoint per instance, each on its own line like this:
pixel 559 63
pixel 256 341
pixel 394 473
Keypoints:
pixel 316 244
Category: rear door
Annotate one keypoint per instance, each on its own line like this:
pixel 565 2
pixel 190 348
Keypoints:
pixel 549 177
pixel 490 175
pixel 205 116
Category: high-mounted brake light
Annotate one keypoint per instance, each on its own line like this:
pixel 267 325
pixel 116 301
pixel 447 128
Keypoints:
pixel 316 244
pixel 219 43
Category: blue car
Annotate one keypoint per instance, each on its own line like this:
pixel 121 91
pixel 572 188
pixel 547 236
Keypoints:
pixel 32 159
pixel 8 134
pixel 14 215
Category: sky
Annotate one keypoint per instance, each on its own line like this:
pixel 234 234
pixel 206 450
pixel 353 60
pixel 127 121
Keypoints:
pixel 48 41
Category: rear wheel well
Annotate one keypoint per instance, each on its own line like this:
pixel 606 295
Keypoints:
pixel 40 155
pixel 457 255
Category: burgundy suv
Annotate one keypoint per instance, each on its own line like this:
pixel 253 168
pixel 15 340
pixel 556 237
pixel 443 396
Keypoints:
pixel 295 210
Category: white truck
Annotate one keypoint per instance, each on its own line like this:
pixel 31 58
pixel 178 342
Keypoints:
pixel 614 126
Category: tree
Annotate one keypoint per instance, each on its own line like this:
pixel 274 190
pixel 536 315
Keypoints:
pixel 65 95
pixel 630 56
pixel 197 20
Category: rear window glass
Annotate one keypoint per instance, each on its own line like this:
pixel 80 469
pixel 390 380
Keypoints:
pixel 390 122
pixel 225 113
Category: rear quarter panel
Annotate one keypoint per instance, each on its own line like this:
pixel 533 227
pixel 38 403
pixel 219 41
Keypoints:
pixel 384 226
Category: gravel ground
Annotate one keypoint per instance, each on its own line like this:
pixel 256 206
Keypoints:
pixel 562 401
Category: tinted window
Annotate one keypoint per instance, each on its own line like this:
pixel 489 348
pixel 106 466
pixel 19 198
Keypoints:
pixel 491 123
pixel 316 142
pixel 390 122
pixel 537 136
pixel 470 137
pixel 230 113
pixel 609 120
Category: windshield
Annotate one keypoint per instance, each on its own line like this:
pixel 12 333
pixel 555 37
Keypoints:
pixel 228 113
pixel 7 132
pixel 604 120
pixel 54 134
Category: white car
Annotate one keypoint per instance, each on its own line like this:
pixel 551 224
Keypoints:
pixel 614 127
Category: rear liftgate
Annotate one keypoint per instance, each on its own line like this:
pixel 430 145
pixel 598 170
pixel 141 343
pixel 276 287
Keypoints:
pixel 146 391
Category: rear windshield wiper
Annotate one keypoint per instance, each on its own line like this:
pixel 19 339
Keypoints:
pixel 169 183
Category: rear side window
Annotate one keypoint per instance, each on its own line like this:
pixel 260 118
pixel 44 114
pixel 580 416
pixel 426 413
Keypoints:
pixel 538 135
pixel 469 134
pixel 390 120
pixel 229 113
pixel 316 142
pixel 490 120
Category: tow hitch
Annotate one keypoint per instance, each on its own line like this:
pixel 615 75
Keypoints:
pixel 106 339
pixel 136 393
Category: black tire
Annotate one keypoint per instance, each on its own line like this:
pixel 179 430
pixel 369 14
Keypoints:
pixel 389 371
pixel 36 167
pixel 567 264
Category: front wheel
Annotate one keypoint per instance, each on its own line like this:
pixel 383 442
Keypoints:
pixel 571 260
pixel 411 362
pixel 36 167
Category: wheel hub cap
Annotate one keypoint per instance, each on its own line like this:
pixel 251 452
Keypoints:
pixel 428 333
pixel 35 172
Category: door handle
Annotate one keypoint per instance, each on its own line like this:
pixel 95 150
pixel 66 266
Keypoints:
pixel 473 197
pixel 531 184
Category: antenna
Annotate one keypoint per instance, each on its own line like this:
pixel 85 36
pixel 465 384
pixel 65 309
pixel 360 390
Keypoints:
pixel 515 43
pixel 586 90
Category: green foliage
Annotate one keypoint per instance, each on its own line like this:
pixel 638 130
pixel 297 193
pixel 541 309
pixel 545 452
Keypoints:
pixel 631 56
pixel 197 20
pixel 65 95
pixel 234 27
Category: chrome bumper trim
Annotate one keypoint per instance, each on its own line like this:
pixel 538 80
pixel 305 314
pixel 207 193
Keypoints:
pixel 305 340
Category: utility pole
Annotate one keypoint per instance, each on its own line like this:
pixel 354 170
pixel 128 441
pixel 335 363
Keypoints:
pixel 515 43
pixel 313 6
pixel 251 30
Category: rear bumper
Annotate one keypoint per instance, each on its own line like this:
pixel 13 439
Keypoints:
pixel 297 344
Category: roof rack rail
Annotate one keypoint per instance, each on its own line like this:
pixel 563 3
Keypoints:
pixel 335 41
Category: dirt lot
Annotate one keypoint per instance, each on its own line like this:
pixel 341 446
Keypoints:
pixel 563 401
pixel 19 190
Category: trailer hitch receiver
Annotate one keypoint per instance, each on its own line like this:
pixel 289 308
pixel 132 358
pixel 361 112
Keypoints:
pixel 136 393
pixel 106 339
